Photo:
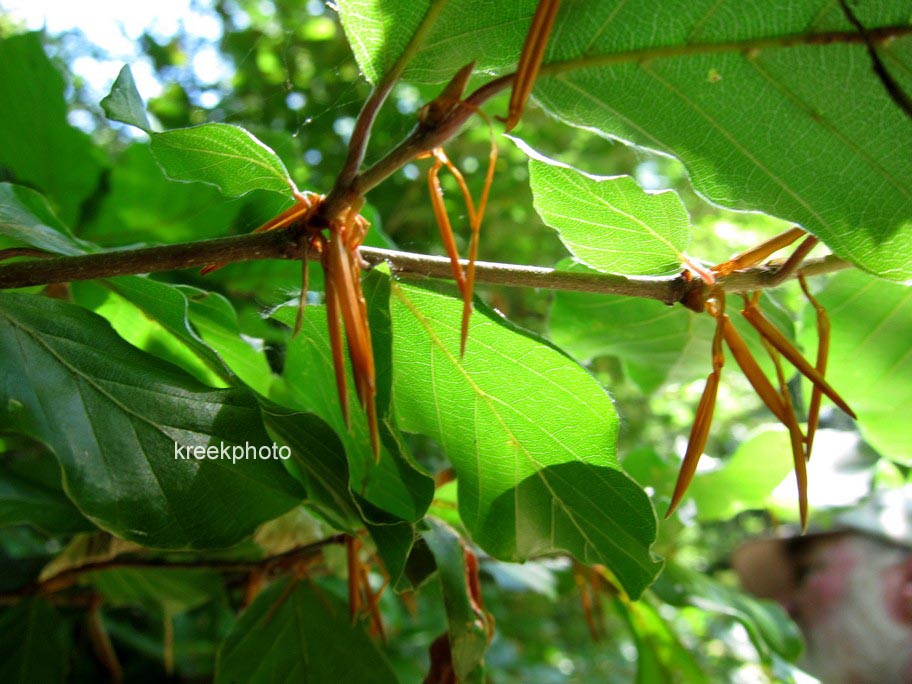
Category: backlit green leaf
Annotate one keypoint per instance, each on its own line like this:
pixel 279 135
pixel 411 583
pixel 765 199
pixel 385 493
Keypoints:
pixel 530 434
pixel 752 101
pixel 225 156
pixel 609 224
pixel 870 363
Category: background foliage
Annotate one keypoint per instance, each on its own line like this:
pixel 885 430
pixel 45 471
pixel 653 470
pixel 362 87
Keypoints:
pixel 562 426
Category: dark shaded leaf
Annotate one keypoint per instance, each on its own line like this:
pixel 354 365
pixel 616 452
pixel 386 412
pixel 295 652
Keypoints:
pixel 116 418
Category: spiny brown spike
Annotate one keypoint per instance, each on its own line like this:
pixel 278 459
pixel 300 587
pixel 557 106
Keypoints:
pixel 530 59
pixel 795 260
pixel 796 439
pixel 699 433
pixel 443 220
pixel 473 244
pixel 450 98
pixel 302 300
pixel 333 323
pixel 762 386
pixel 823 354
pixel 757 254
pixel 347 287
pixel 769 332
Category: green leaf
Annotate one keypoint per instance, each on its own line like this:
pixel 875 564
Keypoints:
pixel 68 380
pixel 153 317
pixel 320 464
pixel 661 657
pixel 225 156
pixel 462 32
pixel 756 114
pixel 395 543
pixel 610 224
pixel 27 498
pixel 752 102
pixel 467 626
pixel 216 322
pixel 299 633
pixel 769 627
pixel 124 103
pixel 164 590
pixel 870 364
pixel 656 343
pixel 747 478
pixel 143 205
pixel 33 647
pixel 38 147
pixel 27 220
pixel 530 434
pixel 395 484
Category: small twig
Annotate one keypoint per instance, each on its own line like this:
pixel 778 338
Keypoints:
pixel 66 578
pixel 357 146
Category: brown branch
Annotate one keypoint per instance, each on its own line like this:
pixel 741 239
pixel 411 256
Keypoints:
pixel 66 578
pixel 283 244
pixel 344 191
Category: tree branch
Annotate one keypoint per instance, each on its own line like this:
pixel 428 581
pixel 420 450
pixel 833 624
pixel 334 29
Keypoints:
pixel 283 244
pixel 66 578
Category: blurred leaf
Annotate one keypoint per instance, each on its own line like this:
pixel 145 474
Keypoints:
pixel 770 629
pixel 610 224
pixel 124 103
pixel 38 147
pixel 33 647
pixel 661 657
pixel 467 624
pixel 870 364
pixel 655 342
pixel 165 590
pixel 747 478
pixel 225 156
pixel 68 380
pixel 299 632
pixel 144 205
pixel 27 220
pixel 27 499
pixel 548 480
